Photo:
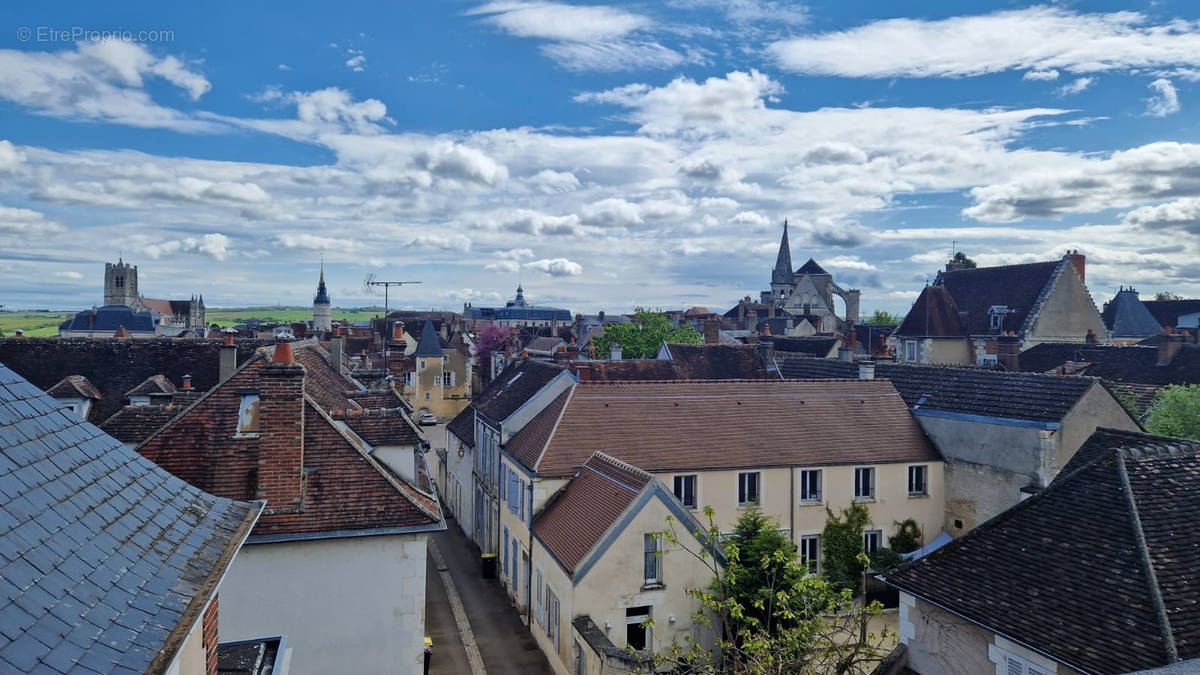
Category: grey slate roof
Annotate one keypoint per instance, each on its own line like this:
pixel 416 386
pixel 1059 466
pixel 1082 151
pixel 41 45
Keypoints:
pixel 1126 316
pixel 429 345
pixel 1079 571
pixel 513 387
pixel 106 560
pixel 969 391
pixel 109 318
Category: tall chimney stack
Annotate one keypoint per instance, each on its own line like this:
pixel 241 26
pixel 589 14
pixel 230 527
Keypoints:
pixel 227 357
pixel 281 432
pixel 1168 346
pixel 1008 352
pixel 337 349
pixel 712 331
pixel 1079 261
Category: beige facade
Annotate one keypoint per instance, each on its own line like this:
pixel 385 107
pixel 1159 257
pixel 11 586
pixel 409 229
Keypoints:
pixel 1067 313
pixel 936 351
pixel 441 386
pixel 941 643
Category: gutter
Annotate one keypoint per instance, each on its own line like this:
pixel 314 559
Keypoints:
pixel 987 419
pixel 344 534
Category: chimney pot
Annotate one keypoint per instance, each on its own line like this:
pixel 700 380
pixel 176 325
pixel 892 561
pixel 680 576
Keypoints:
pixel 283 351
pixel 187 381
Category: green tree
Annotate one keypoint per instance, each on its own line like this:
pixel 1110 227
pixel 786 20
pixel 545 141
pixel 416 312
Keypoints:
pixel 883 318
pixel 962 259
pixel 1176 411
pixel 1127 398
pixel 842 546
pixel 641 338
pixel 1167 295
pixel 770 615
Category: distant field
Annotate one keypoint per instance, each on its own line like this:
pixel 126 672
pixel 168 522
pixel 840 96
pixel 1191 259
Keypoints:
pixel 42 324
pixel 35 324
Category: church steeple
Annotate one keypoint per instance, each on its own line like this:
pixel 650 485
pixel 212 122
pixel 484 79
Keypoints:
pixel 782 274
pixel 322 297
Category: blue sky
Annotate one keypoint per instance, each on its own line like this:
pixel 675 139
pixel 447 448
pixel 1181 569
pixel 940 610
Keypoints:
pixel 605 156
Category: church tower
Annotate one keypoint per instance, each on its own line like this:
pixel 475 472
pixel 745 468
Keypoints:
pixel 120 283
pixel 783 279
pixel 322 321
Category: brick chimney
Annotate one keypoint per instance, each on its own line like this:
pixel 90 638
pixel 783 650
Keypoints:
pixel 1168 346
pixel 1008 351
pixel 227 358
pixel 712 331
pixel 766 349
pixel 584 371
pixel 337 349
pixel 1079 261
pixel 281 432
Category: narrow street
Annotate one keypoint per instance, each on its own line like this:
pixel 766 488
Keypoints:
pixel 502 642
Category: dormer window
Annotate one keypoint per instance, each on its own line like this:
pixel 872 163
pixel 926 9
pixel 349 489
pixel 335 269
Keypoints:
pixel 996 314
pixel 248 414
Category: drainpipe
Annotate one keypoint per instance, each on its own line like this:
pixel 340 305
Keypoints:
pixel 792 505
pixel 529 576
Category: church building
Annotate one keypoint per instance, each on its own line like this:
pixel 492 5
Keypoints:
pixel 322 318
pixel 138 315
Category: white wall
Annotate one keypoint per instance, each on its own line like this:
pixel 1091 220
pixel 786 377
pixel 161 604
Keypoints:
pixel 352 605
pixel 191 658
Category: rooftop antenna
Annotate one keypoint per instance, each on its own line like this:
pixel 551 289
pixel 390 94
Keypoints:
pixel 369 285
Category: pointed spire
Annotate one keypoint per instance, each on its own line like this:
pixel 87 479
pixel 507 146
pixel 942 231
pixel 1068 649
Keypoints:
pixel 782 274
pixel 322 297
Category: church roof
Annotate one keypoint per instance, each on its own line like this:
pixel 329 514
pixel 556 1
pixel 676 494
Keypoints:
pixel 322 297
pixel 109 318
pixel 782 274
pixel 1127 317
pixel 811 267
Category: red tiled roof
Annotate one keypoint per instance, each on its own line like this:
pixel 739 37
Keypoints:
pixel 716 361
pixel 383 427
pixel 134 424
pixel 73 386
pixel 571 524
pixel 727 424
pixel 527 444
pixel 155 384
pixel 325 384
pixel 347 489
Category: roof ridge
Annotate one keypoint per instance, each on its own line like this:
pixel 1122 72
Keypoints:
pixel 570 393
pixel 1001 267
pixel 1160 608
pixel 602 456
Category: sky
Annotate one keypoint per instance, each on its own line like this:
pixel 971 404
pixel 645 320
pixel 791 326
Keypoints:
pixel 604 156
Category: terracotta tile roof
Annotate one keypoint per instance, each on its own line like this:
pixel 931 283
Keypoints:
pixel 377 398
pixel 463 426
pixel 716 361
pixel 934 314
pixel 75 386
pixel 819 346
pixel 1066 571
pixel 106 560
pixel 328 387
pixel 571 524
pixel 970 391
pixel 383 427
pixel 134 424
pixel 155 384
pixel 627 369
pixel 514 386
pixel 116 366
pixel 527 444
pixel 346 489
pixel 726 424
pixel 1018 287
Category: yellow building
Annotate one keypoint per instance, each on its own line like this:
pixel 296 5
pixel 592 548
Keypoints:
pixel 441 376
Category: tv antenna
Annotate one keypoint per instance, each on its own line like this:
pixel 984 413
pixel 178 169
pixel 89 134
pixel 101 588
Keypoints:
pixel 369 285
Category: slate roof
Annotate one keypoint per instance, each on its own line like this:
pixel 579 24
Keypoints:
pixel 544 344
pixel 347 489
pixel 155 384
pixel 1135 363
pixel 429 344
pixel 1019 287
pixel 815 345
pixel 571 524
pixel 1068 571
pixel 970 391
pixel 628 369
pixel 716 361
pixel 934 314
pixel 1167 312
pixel 383 427
pixel 811 267
pixel 105 559
pixel 134 424
pixel 463 426
pixel 116 366
pixel 514 386
pixel 727 424
pixel 75 386
pixel 782 273
pixel 1126 316
pixel 167 307
pixel 527 444
pixel 109 318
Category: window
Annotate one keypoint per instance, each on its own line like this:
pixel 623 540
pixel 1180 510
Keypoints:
pixel 248 415
pixel 651 553
pixel 504 561
pixel 637 634
pixel 748 488
pixel 864 483
pixel 408 379
pixel 552 619
pixel 426 396
pixel 516 570
pixel 810 551
pixel 437 381
pixel 119 281
pixel 872 540
pixel 421 364
pixel 537 612
pixel 810 485
pixel 515 490
pixel 917 483
pixel 1015 665
pixel 910 350
pixel 996 314
pixel 685 490
pixel 449 379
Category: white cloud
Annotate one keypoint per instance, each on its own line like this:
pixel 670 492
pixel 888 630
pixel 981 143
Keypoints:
pixel 546 180
pixel 1075 87
pixel 68 275
pixel 556 267
pixel 611 212
pixel 750 218
pixel 1043 75
pixel 284 67
pixel 213 245
pixel 26 223
pixel 1182 214
pixel 453 242
pixel 10 157
pixel 504 266
pixel 610 56
pixel 1164 101
pixel 312 242
pixel 357 61
pixel 1036 38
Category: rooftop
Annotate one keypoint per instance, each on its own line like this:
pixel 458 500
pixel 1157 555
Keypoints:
pixel 934 314
pixel 106 559
pixel 716 361
pixel 514 386
pixel 1135 363
pixel 1076 571
pixel 134 424
pixel 1019 288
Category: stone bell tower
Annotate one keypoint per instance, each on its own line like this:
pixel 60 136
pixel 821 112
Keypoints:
pixel 120 284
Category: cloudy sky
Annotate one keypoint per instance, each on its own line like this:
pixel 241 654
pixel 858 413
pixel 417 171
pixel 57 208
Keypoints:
pixel 605 156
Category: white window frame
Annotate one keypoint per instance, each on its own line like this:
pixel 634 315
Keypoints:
pixel 923 470
pixel 868 535
pixel 680 482
pixel 248 402
pixel 910 351
pixel 639 620
pixel 652 559
pixel 552 616
pixel 744 488
pixel 539 605
pixel 870 494
pixel 813 560
pixel 806 476
pixel 1011 664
